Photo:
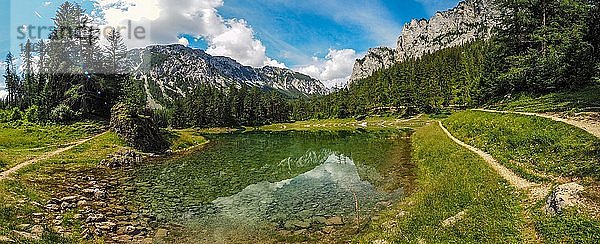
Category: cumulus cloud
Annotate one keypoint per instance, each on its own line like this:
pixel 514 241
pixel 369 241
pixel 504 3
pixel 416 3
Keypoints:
pixel 165 20
pixel 334 70
pixel 184 41
pixel 3 92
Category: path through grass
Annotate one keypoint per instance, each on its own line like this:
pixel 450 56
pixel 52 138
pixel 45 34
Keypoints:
pixel 531 146
pixel 452 180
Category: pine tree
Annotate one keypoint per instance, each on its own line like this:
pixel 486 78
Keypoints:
pixel 13 83
pixel 29 84
pixel 116 53
pixel 117 67
pixel 594 33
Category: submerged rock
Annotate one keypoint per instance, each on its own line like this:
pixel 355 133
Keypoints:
pixel 125 158
pixel 334 221
pixel 4 239
pixel 161 234
pixel 563 196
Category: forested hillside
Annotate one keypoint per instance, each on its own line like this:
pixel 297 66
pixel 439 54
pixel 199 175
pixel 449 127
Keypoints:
pixel 451 76
pixel 539 47
pixel 72 77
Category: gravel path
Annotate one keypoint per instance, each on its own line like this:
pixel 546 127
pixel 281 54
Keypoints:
pixel 14 169
pixel 536 191
pixel 592 127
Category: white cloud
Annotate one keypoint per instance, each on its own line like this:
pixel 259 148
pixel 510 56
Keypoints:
pixel 165 20
pixel 184 41
pixel 3 92
pixel 237 41
pixel 334 70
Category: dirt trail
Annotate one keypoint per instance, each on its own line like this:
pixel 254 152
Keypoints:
pixel 591 127
pixel 15 168
pixel 536 191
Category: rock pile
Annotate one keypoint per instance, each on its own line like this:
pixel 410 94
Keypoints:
pixel 96 205
pixel 123 159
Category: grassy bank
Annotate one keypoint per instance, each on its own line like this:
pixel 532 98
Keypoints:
pixel 534 147
pixel 185 139
pixel 370 123
pixel 21 142
pixel 450 180
pixel 29 189
pixel 531 146
pixel 587 99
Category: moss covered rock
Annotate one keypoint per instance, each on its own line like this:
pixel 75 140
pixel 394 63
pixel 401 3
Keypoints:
pixel 137 129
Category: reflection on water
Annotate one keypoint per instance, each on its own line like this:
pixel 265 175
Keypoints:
pixel 327 190
pixel 279 181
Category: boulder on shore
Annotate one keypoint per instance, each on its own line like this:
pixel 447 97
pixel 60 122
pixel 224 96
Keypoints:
pixel 137 129
pixel 563 196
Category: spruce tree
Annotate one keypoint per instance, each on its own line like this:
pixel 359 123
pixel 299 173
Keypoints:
pixel 29 84
pixel 13 83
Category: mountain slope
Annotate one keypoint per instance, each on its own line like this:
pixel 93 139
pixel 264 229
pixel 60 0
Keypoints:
pixel 174 70
pixel 470 20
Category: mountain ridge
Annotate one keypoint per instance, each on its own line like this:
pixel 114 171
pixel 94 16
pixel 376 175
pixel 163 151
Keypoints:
pixel 470 20
pixel 174 70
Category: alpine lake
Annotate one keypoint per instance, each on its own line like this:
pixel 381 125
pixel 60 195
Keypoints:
pixel 276 186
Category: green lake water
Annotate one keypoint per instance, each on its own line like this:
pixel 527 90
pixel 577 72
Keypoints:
pixel 276 181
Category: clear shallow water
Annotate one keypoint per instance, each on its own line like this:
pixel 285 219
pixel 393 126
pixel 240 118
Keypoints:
pixel 278 181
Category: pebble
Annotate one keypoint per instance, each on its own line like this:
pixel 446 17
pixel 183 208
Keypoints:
pixel 334 221
pixel 5 239
pixel 161 234
pixel 328 229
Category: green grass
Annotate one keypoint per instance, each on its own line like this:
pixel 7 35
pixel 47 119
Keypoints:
pixel 185 139
pixel 569 227
pixel 21 142
pixel 370 123
pixel 587 99
pixel 451 179
pixel 530 145
pixel 38 182
pixel 91 152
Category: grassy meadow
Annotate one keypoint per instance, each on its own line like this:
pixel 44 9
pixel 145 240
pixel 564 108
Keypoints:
pixel 25 141
pixel 536 148
pixel 587 99
pixel 451 180
pixel 541 150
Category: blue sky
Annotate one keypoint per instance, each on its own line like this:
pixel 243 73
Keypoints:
pixel 319 37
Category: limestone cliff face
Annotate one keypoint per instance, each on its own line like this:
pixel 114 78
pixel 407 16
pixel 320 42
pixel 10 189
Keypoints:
pixel 470 20
pixel 376 59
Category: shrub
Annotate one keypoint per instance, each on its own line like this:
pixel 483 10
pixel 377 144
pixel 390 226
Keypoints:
pixel 62 114
pixel 32 114
pixel 15 114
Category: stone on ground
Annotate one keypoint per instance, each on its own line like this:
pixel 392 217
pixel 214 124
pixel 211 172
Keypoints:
pixel 563 196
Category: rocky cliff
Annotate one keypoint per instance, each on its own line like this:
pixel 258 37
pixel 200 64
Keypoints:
pixel 168 71
pixel 469 21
